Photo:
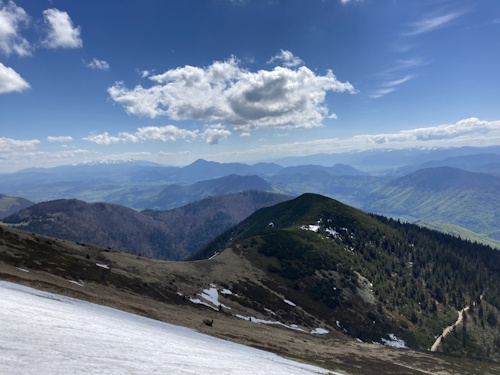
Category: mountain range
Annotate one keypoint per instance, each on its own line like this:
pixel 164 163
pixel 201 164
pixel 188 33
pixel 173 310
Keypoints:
pixel 442 187
pixel 305 278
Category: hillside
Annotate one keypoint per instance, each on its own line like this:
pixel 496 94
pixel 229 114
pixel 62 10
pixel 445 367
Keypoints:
pixel 374 275
pixel 442 195
pixel 178 195
pixel 227 297
pixel 9 205
pixel 172 235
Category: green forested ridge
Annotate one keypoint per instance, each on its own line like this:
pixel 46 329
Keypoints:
pixel 411 281
pixel 442 195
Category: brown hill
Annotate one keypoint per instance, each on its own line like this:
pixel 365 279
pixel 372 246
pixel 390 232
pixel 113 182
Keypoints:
pixel 172 235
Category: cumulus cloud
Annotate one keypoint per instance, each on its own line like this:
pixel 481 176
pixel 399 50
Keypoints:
pixel 8 145
pixel 12 19
pixel 61 139
pixel 287 59
pixel 98 64
pixel 11 81
pixel 215 133
pixel 230 95
pixel 61 32
pixel 148 133
pixel 164 133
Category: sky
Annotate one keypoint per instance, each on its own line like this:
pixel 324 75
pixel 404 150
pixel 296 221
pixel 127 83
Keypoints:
pixel 243 80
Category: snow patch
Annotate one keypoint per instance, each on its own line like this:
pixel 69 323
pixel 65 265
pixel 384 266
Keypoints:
pixel 272 322
pixel 105 266
pixel 22 269
pixel 213 256
pixel 289 302
pixel 211 296
pixel 319 331
pixel 312 228
pixel 79 283
pixel 395 342
pixel 226 291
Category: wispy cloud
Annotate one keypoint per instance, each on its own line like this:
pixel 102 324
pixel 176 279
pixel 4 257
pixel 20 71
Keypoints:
pixel 390 86
pixel 467 132
pixel 431 23
pixel 286 58
pixel 62 139
pixel 97 64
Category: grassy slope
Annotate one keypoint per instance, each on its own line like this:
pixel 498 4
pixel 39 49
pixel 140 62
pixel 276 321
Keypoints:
pixel 149 287
pixel 420 278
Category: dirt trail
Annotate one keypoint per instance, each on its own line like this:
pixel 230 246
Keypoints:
pixel 448 329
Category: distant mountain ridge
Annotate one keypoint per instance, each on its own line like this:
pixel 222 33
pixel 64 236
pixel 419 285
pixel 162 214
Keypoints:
pixel 10 205
pixel 170 235
pixel 177 195
pixel 442 195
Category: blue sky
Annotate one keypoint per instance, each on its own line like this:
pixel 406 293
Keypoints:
pixel 243 80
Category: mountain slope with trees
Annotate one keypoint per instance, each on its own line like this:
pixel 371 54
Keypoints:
pixel 376 276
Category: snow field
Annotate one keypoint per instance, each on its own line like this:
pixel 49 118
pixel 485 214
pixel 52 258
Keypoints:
pixel 44 333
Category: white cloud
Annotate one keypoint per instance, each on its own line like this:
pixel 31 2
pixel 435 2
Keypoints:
pixel 390 86
pixel 432 23
pixel 467 132
pixel 225 93
pixel 11 81
pixel 98 65
pixel 287 58
pixel 8 146
pixel 103 139
pixel 12 19
pixel 333 116
pixel 381 92
pixel 148 133
pixel 464 129
pixel 61 139
pixel 61 32
pixel 164 133
pixel 349 1
pixel 215 133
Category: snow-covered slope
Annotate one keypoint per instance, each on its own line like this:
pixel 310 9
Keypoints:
pixel 45 333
